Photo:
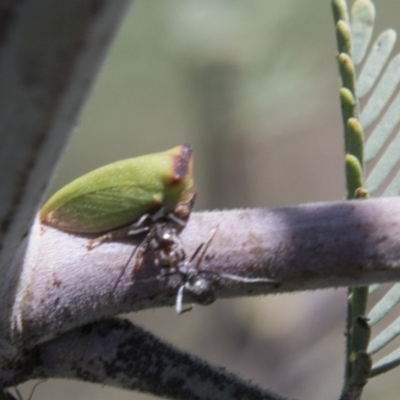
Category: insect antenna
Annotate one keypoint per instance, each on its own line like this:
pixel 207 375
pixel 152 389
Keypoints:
pixel 201 288
pixel 19 394
pixel 239 278
pixel 204 244
pixel 232 277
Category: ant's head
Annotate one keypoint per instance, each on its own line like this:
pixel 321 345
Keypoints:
pixel 201 289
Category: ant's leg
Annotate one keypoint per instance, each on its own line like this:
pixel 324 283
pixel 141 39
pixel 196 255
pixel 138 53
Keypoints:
pixel 141 250
pixel 179 301
pixel 179 221
pixel 244 279
pixel 136 228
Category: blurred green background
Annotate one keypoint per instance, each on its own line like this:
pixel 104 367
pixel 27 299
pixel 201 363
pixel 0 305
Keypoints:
pixel 253 86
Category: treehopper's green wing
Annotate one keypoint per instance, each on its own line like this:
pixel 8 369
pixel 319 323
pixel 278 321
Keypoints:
pixel 120 193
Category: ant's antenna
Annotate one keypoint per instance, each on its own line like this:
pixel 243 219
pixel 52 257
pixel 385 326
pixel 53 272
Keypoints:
pixel 201 288
pixel 19 394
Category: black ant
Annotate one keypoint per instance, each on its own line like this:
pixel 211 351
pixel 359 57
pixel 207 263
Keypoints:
pixel 164 243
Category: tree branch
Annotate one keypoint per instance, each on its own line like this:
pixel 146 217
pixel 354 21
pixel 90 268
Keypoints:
pixel 118 353
pixel 64 285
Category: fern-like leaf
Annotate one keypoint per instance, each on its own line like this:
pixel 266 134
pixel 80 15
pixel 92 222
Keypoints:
pixel 362 23
pixel 385 305
pixel 379 83
pixel 381 95
pixel 377 58
pixel 378 79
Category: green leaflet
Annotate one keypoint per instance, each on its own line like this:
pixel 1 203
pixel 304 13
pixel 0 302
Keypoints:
pixel 118 194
